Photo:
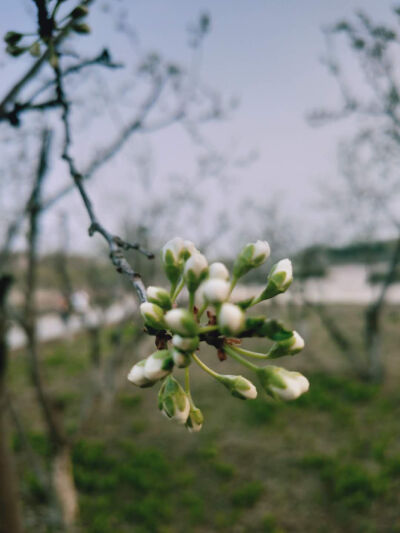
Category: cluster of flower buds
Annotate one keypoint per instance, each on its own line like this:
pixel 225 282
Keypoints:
pixel 19 43
pixel 180 331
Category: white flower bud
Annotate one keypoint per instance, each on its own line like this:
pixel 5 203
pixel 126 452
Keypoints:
pixel 196 270
pixel 172 259
pixel 231 319
pixel 282 272
pixel 218 270
pixel 174 247
pixel 251 256
pixel 279 279
pixel 261 251
pixel 188 249
pixel 159 296
pixel 137 376
pixel 239 386
pixel 297 344
pixel 181 359
pixel 185 344
pixel 153 315
pixel 173 401
pixel 158 365
pixel 181 321
pixel 283 383
pixel 195 420
pixel 215 290
pixel 290 346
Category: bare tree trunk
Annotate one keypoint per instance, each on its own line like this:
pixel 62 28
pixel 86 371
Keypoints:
pixel 10 513
pixel 62 475
pixel 373 316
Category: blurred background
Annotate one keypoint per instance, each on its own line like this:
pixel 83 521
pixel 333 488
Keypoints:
pixel 223 123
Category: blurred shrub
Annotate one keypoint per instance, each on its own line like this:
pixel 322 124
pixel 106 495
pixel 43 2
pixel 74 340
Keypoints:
pixel 348 484
pixel 248 494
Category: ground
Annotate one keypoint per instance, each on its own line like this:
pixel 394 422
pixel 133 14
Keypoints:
pixel 329 461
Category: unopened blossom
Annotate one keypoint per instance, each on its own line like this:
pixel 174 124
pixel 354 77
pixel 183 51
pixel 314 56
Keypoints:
pixel 251 256
pixel 185 344
pixel 181 359
pixel 173 401
pixel 283 383
pixel 239 386
pixel 137 376
pixel 195 420
pixel 158 365
pixel 218 270
pixel 231 319
pixel 196 270
pixel 181 321
pixel 215 291
pixel 159 296
pixel 153 315
pixel 290 346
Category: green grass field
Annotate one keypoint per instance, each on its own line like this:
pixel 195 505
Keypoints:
pixel 328 462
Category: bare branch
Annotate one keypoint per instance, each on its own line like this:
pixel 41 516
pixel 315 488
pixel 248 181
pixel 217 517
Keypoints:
pixel 115 244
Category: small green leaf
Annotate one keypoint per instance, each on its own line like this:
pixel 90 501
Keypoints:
pixel 35 49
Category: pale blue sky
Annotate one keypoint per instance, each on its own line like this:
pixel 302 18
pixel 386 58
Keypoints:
pixel 264 52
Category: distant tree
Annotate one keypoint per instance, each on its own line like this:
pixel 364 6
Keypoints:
pixel 369 194
pixel 60 90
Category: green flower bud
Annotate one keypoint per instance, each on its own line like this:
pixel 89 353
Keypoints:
pixel 81 28
pixel 153 315
pixel 230 319
pixel 290 346
pixel 137 376
pixel 181 359
pixel 196 270
pixel 171 256
pixel 195 420
pixel 281 383
pixel 158 365
pixel 188 250
pixel 159 296
pixel 173 401
pixel 279 280
pixel 35 49
pixel 12 37
pixel 251 256
pixel 238 386
pixel 181 321
pixel 15 51
pixel 79 12
pixel 185 344
pixel 267 327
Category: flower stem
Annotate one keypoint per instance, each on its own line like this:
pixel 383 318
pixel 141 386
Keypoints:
pixel 201 311
pixel 187 381
pixel 230 351
pixel 177 290
pixel 249 353
pixel 206 329
pixel 191 301
pixel 205 367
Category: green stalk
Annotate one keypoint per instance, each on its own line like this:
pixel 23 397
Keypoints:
pixel 191 301
pixel 205 367
pixel 187 381
pixel 206 329
pixel 249 353
pixel 201 311
pixel 177 289
pixel 230 351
